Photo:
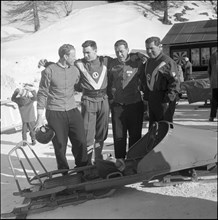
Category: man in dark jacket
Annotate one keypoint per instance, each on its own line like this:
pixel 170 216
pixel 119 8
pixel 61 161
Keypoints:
pixel 124 91
pixel 161 86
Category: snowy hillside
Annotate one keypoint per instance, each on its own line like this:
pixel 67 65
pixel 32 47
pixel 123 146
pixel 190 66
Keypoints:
pixel 133 21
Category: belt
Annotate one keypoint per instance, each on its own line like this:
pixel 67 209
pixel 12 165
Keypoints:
pixel 123 104
pixel 118 104
pixel 94 93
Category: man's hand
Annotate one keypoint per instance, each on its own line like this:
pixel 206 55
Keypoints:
pixel 111 101
pixel 42 62
pixel 165 106
pixel 142 57
pixel 40 121
pixel 138 56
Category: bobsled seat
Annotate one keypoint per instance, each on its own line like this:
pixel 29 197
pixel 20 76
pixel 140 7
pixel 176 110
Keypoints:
pixel 152 138
pixel 107 168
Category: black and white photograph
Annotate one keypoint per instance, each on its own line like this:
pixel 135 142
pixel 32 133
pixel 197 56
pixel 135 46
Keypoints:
pixel 109 109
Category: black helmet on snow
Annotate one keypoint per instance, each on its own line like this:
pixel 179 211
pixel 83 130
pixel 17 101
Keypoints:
pixel 44 134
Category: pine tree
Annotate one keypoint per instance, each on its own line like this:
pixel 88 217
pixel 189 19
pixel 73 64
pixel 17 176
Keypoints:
pixel 163 6
pixel 66 6
pixel 30 12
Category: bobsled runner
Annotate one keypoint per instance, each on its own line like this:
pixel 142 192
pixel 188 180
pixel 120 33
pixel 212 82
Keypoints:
pixel 165 149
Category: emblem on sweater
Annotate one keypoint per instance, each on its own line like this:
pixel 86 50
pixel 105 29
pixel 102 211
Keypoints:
pixel 128 72
pixel 95 75
pixel 148 77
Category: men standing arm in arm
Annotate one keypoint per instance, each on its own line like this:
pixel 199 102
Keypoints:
pixel 94 101
pixel 162 84
pixel 56 95
pixel 213 76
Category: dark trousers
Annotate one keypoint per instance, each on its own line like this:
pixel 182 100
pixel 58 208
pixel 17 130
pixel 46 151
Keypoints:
pixel 214 103
pixel 158 110
pixel 126 118
pixel 68 124
pixel 28 125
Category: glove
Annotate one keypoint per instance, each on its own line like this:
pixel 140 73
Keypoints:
pixel 42 62
pixel 134 57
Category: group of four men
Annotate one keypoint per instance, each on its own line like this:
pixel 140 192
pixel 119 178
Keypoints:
pixel 106 84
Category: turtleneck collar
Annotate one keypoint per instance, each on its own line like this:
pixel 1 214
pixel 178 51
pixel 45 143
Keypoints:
pixel 61 65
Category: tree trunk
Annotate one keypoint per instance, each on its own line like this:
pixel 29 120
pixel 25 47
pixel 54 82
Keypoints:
pixel 165 18
pixel 36 17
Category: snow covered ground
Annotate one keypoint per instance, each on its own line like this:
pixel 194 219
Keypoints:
pixel 194 200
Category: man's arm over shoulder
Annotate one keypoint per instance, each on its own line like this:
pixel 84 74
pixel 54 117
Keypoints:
pixel 44 63
pixel 106 60
pixel 139 57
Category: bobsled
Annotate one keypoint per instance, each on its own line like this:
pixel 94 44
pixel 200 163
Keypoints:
pixel 198 90
pixel 165 148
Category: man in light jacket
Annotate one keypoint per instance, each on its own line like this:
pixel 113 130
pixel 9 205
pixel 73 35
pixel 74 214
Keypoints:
pixel 56 95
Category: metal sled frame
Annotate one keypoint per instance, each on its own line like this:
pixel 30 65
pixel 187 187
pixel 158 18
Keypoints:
pixel 19 148
pixel 43 181
pixel 49 182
